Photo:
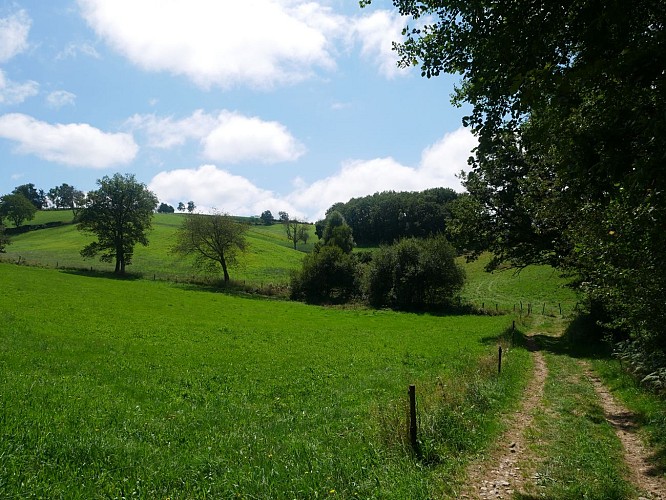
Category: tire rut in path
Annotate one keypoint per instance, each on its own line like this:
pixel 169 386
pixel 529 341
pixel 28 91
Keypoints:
pixel 500 475
pixel 643 474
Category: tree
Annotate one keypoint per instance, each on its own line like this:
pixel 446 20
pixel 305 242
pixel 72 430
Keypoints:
pixel 17 208
pixel 414 273
pixel 297 231
pixel 267 217
pixel 66 196
pixel 283 217
pixel 165 209
pixel 120 214
pixel 338 233
pixel 214 240
pixel 36 197
pixel 567 101
pixel 327 275
pixel 190 206
pixel 181 206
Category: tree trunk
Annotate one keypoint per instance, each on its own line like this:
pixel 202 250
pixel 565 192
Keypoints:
pixel 120 260
pixel 223 262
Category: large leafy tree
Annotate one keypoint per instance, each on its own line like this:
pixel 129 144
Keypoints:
pixel 66 196
pixel 569 105
pixel 36 196
pixel 215 241
pixel 120 214
pixel 17 208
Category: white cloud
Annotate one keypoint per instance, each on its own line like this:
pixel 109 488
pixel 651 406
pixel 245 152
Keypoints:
pixel 227 137
pixel 166 133
pixel 438 168
pixel 59 98
pixel 75 144
pixel 14 35
pixel 15 93
pixel 377 32
pixel 213 188
pixel 239 138
pixel 259 43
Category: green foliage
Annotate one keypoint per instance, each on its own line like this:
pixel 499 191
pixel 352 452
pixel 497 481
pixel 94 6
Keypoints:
pixel 17 208
pixel 214 240
pixel 4 239
pixel 388 216
pixel 165 209
pixel 66 196
pixel 267 217
pixel 414 273
pixel 337 232
pixel 119 213
pixel 296 231
pixel 328 275
pixel 36 197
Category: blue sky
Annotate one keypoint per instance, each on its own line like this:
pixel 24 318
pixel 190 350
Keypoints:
pixel 238 106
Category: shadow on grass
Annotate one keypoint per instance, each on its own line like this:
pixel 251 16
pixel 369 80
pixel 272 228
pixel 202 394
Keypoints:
pixel 102 274
pixel 580 340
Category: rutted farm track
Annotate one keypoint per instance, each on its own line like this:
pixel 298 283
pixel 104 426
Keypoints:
pixel 514 467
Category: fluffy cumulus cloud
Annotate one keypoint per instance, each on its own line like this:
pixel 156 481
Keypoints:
pixel 212 188
pixel 259 43
pixel 76 144
pixel 376 33
pixel 239 138
pixel 12 93
pixel 439 165
pixel 14 35
pixel 226 137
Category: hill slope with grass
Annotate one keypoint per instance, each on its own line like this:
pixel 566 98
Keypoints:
pixel 269 260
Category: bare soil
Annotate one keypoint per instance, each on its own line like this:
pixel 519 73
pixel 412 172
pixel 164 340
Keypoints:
pixel 509 468
pixel 644 475
pixel 504 471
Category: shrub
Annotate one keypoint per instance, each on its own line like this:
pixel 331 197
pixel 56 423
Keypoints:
pixel 328 275
pixel 414 273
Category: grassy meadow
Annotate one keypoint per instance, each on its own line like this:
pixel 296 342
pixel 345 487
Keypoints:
pixel 153 386
pixel 269 260
pixel 140 388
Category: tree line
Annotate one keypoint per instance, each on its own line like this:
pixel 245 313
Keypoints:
pixel 385 217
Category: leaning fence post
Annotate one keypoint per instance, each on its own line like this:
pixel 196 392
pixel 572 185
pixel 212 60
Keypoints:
pixel 499 360
pixel 412 419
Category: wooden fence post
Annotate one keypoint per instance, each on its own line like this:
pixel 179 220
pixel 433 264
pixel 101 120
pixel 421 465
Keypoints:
pixel 412 419
pixel 499 360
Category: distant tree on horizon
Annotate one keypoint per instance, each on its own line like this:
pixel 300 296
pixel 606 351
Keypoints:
pixel 17 208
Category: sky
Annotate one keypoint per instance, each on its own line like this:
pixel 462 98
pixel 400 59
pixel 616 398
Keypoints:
pixel 241 107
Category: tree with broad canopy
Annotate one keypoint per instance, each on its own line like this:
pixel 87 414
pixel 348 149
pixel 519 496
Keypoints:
pixel 120 214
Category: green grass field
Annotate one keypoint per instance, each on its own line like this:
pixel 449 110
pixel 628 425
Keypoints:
pixel 134 388
pixel 269 260
pixel 161 388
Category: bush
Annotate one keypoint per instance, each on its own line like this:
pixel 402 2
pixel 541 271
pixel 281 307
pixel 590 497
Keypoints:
pixel 328 275
pixel 414 273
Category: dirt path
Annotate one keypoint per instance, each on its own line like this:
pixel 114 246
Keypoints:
pixel 643 473
pixel 500 475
